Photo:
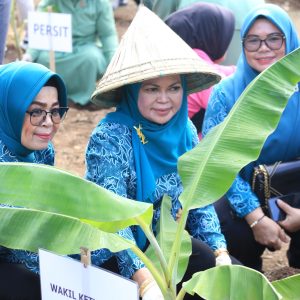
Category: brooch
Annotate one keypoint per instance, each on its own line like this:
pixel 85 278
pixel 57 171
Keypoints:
pixel 140 134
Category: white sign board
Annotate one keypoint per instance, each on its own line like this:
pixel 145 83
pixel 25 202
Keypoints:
pixel 66 278
pixel 50 31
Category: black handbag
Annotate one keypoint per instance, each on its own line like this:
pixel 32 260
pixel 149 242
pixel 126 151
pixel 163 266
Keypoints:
pixel 275 180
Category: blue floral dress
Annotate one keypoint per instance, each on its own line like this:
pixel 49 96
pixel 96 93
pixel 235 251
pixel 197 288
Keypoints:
pixel 110 163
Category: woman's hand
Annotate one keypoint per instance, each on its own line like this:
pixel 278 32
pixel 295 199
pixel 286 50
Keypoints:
pixel 223 259
pixel 292 221
pixel 149 290
pixel 266 231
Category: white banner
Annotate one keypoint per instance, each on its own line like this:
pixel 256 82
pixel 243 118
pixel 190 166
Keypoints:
pixel 50 31
pixel 65 278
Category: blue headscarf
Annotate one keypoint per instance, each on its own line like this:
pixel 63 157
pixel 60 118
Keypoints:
pixel 244 74
pixel 278 146
pixel 20 82
pixel 165 143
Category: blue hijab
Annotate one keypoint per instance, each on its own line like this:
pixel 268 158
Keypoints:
pixel 278 145
pixel 20 82
pixel 244 74
pixel 165 143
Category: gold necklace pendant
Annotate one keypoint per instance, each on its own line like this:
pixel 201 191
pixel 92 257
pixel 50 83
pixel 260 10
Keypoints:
pixel 140 134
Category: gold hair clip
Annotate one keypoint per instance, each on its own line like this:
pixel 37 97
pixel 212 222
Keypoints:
pixel 140 134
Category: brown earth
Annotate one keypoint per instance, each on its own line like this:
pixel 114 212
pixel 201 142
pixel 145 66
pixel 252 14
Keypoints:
pixel 71 140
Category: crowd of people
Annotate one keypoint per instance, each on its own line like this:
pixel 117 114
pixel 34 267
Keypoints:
pixel 163 72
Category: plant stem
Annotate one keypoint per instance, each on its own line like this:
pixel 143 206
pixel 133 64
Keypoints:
pixel 181 294
pixel 177 243
pixel 14 27
pixel 155 273
pixel 149 234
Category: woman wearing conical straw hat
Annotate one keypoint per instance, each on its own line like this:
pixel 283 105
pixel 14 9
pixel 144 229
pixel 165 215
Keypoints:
pixel 134 150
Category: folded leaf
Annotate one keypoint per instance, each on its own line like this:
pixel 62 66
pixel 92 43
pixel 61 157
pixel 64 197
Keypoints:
pixel 32 229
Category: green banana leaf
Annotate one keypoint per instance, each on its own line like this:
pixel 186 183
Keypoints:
pixel 289 287
pixel 208 170
pixel 30 230
pixel 231 282
pixel 47 188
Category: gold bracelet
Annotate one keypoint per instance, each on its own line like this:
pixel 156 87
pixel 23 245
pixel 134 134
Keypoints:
pixel 220 251
pixel 145 286
pixel 257 221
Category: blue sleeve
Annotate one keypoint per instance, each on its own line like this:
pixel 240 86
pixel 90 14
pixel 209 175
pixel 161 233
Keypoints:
pixel 240 195
pixel 216 110
pixel 107 161
pixel 203 224
pixel 241 198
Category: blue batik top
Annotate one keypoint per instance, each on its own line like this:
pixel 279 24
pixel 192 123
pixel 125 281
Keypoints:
pixel 110 163
pixel 284 143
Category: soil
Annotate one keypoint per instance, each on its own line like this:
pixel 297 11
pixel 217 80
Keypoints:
pixel 71 140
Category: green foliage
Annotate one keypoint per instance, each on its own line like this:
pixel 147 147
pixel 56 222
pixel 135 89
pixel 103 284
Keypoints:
pixel 217 284
pixel 46 188
pixel 61 204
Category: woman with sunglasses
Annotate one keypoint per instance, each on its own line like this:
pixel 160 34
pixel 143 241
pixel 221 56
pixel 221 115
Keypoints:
pixel 267 35
pixel 32 105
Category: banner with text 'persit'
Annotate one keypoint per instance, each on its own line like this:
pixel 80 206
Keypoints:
pixel 50 31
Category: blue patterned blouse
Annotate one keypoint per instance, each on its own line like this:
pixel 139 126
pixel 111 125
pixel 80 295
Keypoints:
pixel 110 163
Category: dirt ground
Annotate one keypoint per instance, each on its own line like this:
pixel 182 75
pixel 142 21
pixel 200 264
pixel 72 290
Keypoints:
pixel 70 142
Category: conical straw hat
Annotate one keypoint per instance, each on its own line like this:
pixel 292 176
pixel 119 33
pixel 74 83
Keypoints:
pixel 150 49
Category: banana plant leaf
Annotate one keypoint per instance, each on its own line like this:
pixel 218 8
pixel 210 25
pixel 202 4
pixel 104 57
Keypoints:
pixel 231 282
pixel 30 230
pixel 210 168
pixel 289 287
pixel 47 188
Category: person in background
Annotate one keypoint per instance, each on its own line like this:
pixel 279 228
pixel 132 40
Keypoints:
pixel 240 9
pixel 4 23
pixel 95 40
pixel 134 151
pixel 23 8
pixel 208 29
pixel 32 105
pixel 268 34
pixel 118 3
